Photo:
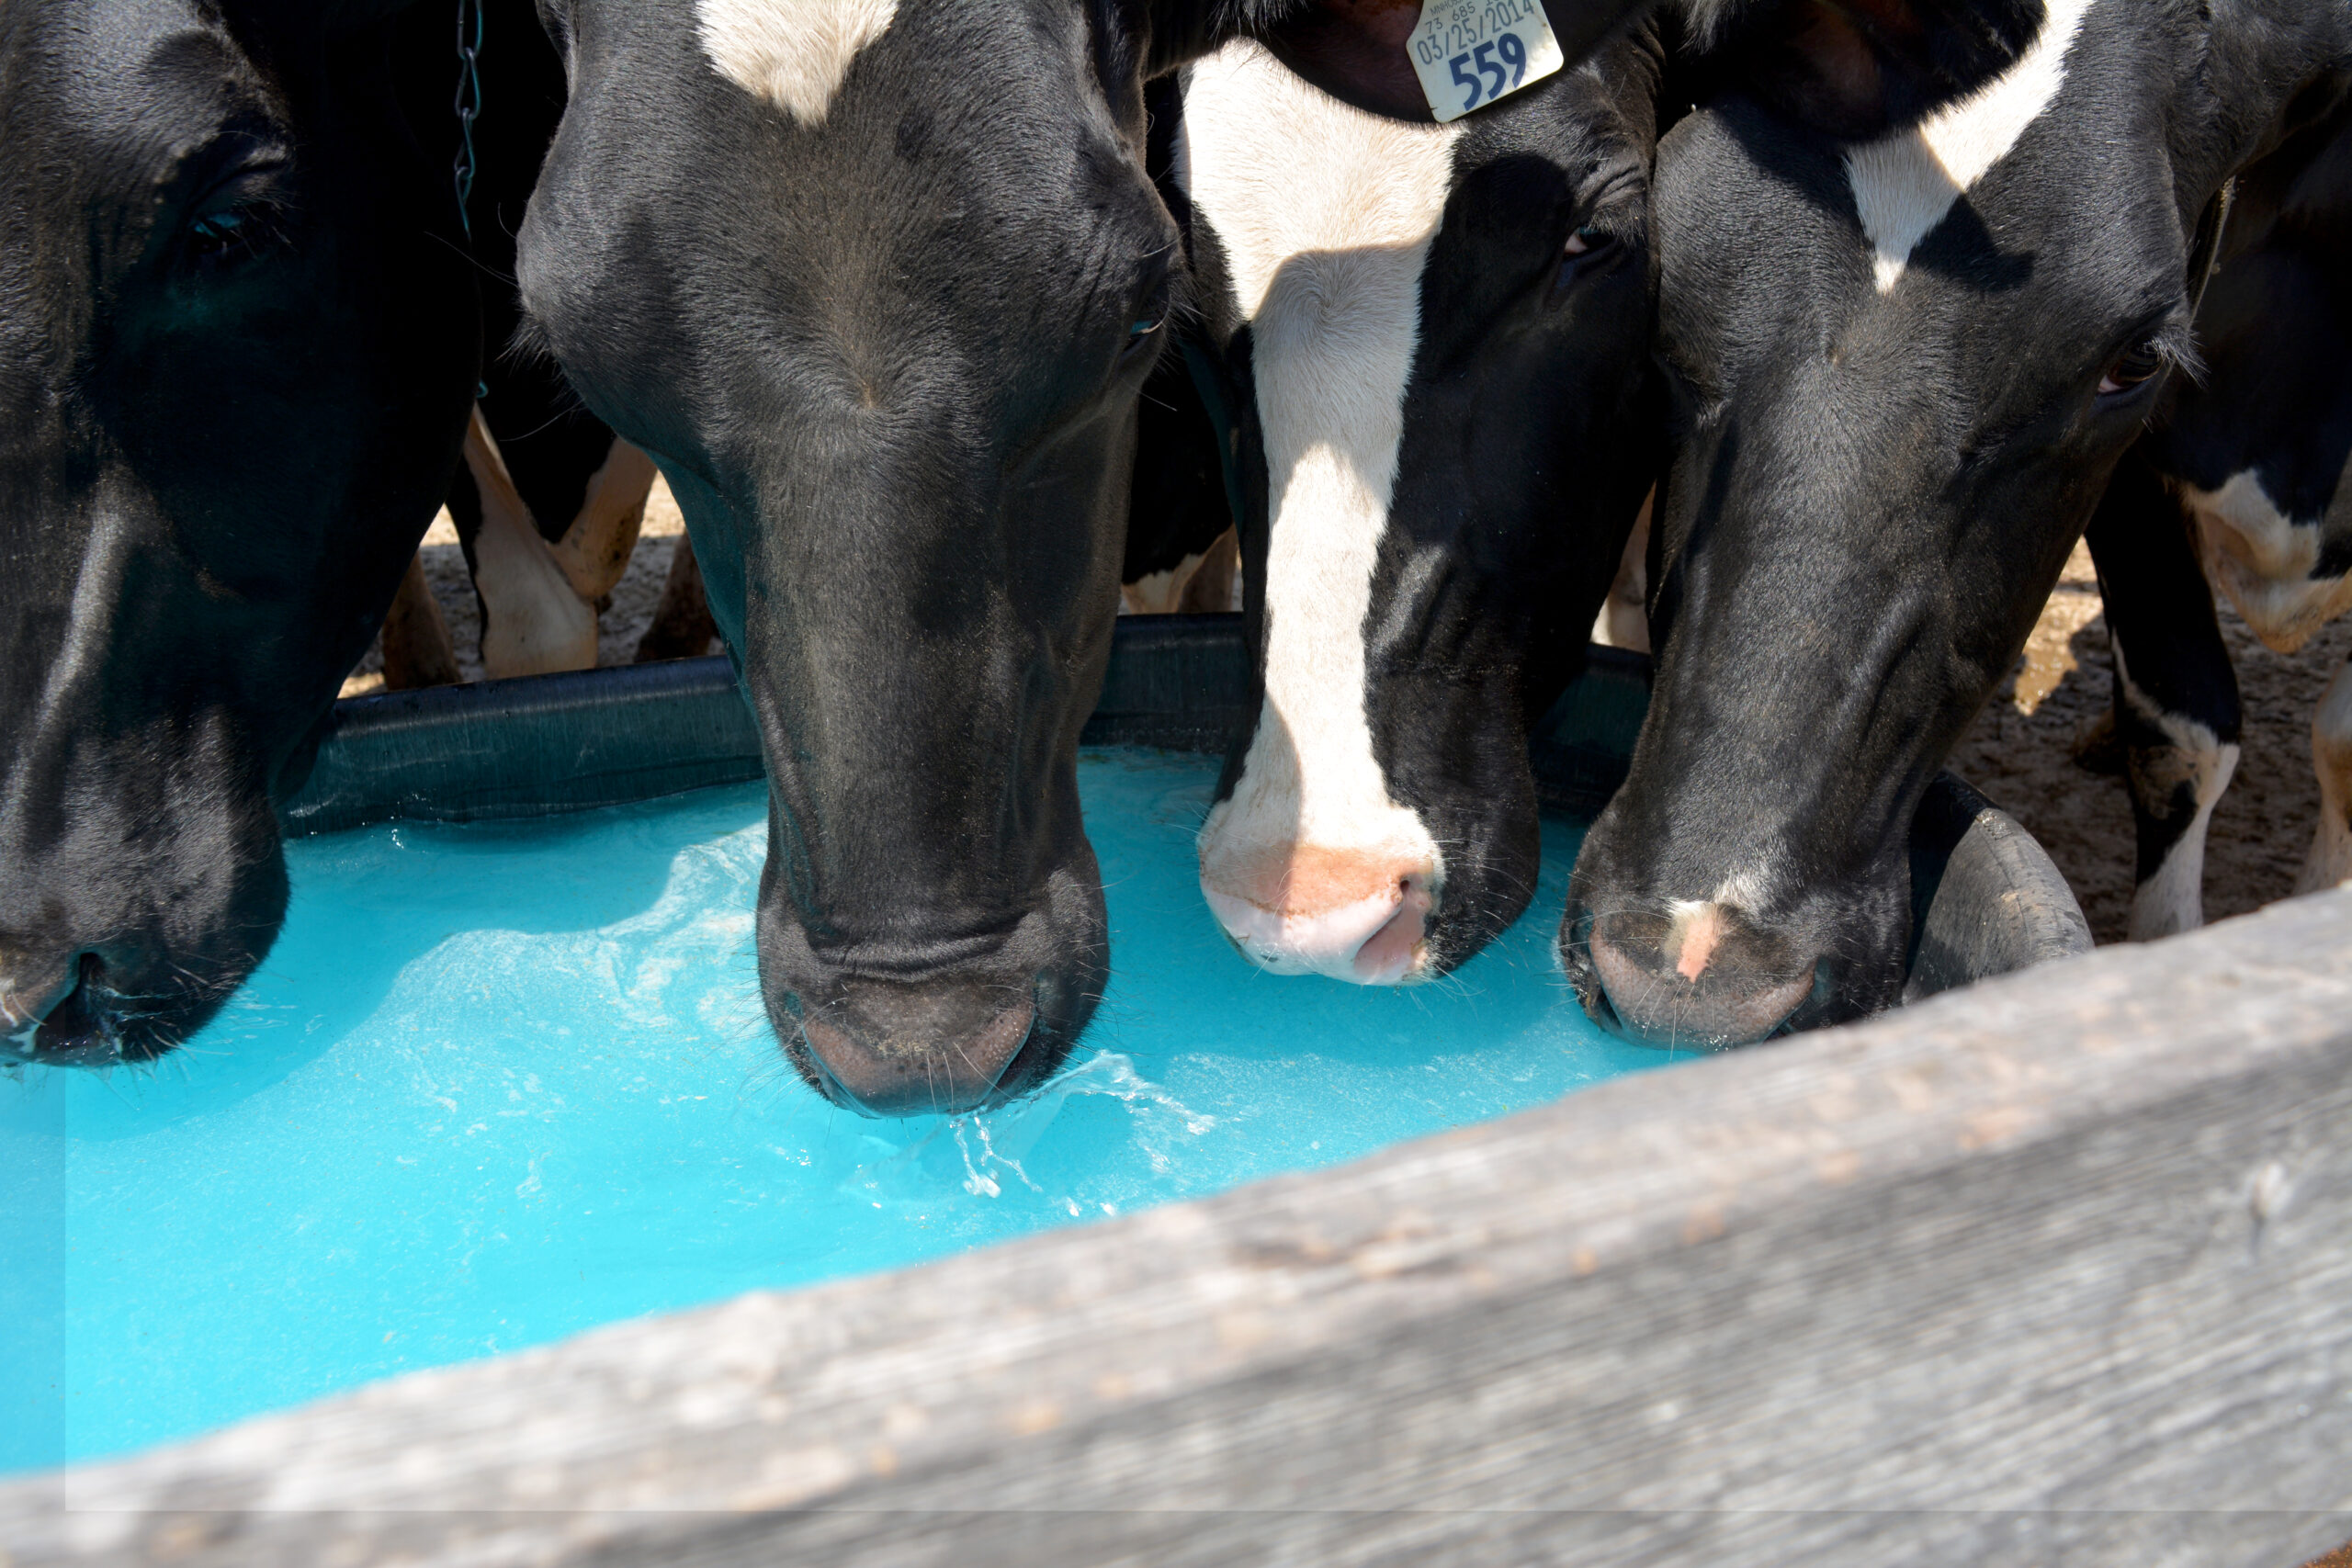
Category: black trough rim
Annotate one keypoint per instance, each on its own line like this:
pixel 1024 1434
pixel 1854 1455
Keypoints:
pixel 1987 899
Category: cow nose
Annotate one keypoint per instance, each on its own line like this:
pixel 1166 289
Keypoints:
pixel 32 988
pixel 1698 974
pixel 1359 915
pixel 922 1049
pixel 45 1012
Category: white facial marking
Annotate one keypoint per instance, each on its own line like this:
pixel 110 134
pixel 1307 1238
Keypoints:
pixel 1326 214
pixel 792 53
pixel 2263 559
pixel 2173 901
pixel 1695 926
pixel 2330 863
pixel 1904 184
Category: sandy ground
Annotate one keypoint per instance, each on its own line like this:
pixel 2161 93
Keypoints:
pixel 2021 753
pixel 618 628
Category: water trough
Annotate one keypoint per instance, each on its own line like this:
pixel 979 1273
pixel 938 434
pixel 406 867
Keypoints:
pixel 2053 1268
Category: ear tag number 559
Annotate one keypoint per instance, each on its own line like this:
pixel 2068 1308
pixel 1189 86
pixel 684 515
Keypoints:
pixel 1470 52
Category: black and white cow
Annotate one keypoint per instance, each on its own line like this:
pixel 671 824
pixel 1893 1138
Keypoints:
pixel 2249 468
pixel 1435 340
pixel 876 284
pixel 237 344
pixel 1905 365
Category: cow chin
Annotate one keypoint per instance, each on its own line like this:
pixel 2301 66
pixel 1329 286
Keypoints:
pixel 943 1027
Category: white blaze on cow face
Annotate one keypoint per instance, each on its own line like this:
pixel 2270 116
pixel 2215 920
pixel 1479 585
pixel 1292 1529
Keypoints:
pixel 1904 184
pixel 1326 215
pixel 794 53
pixel 2264 561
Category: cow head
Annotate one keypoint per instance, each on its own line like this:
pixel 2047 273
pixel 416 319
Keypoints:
pixel 877 282
pixel 236 345
pixel 1435 340
pixel 1904 363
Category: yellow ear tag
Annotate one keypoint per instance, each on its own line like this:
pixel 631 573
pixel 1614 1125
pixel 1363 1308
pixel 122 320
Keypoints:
pixel 1470 52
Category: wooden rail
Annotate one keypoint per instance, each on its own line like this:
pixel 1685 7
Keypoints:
pixel 2054 1270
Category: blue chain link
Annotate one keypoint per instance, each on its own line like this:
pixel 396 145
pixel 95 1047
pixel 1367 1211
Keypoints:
pixel 469 107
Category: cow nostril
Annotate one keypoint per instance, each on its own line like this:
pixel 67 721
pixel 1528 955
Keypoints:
pixel 894 1050
pixel 33 989
pixel 55 1012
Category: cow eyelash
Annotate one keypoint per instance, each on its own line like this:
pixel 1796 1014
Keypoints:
pixel 1587 239
pixel 1150 315
pixel 239 219
pixel 2148 358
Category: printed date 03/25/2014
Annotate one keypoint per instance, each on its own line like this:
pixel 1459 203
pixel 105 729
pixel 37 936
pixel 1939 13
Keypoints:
pixel 1481 51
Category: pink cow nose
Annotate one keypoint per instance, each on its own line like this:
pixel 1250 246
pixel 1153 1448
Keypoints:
pixel 1699 974
pixel 1305 909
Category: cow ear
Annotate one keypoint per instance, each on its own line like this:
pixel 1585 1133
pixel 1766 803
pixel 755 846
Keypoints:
pixel 1860 68
pixel 1355 50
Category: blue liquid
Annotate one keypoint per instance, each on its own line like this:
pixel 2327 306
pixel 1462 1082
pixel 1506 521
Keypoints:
pixel 501 1084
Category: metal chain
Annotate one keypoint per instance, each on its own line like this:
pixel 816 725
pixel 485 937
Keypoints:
pixel 469 107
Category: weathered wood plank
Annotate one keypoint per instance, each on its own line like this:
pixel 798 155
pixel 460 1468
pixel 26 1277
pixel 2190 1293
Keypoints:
pixel 2055 1270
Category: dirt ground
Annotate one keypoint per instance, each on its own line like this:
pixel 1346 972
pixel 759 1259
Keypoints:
pixel 618 628
pixel 2021 753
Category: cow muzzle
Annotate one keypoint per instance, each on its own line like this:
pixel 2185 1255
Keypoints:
pixel 937 1048
pixel 1356 915
pixel 1696 973
pixel 58 1009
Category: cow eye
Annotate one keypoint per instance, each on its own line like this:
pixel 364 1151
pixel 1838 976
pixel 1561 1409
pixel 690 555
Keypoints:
pixel 238 217
pixel 2135 367
pixel 220 231
pixel 1142 332
pixel 1144 321
pixel 1588 246
pixel 227 235
pixel 1590 239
